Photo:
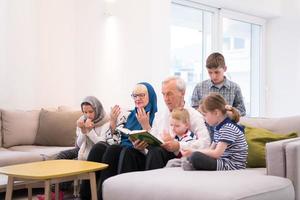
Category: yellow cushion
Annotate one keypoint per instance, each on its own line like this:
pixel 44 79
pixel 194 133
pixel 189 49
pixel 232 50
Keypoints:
pixel 257 139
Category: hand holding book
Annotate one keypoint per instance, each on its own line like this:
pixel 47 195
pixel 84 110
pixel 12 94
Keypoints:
pixel 142 135
pixel 139 144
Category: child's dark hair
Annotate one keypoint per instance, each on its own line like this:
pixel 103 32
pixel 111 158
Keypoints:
pixel 215 60
pixel 215 101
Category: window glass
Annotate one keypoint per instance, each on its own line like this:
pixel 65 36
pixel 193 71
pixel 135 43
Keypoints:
pixel 239 57
pixel 190 42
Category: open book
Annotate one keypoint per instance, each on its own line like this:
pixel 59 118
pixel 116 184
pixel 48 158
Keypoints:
pixel 141 135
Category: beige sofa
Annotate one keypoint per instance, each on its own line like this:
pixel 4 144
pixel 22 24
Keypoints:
pixel 36 135
pixel 280 180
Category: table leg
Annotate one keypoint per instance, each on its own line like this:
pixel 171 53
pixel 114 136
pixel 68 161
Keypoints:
pixel 47 190
pixel 29 192
pixel 76 184
pixel 9 189
pixel 56 191
pixel 93 185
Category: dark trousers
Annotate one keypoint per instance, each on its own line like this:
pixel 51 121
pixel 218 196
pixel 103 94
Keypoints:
pixel 68 154
pixel 200 161
pixel 157 157
pixel 131 160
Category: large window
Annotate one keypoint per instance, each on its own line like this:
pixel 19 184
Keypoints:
pixel 197 31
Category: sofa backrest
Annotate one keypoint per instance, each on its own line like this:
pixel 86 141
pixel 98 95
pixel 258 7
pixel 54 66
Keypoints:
pixel 56 127
pixel 276 125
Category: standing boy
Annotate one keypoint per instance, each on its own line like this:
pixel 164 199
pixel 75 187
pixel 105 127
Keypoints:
pixel 215 65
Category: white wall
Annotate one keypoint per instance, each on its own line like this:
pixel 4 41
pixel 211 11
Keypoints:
pixel 56 52
pixel 261 8
pixel 283 61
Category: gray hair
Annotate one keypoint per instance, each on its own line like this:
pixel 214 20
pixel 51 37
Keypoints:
pixel 180 83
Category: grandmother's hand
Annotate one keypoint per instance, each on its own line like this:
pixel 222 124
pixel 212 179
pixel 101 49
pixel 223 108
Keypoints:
pixel 143 118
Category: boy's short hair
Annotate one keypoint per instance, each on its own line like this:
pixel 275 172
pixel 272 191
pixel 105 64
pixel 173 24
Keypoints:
pixel 215 60
pixel 181 114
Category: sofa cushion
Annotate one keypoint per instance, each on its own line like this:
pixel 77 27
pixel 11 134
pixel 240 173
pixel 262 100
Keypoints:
pixel 57 128
pixel 47 152
pixel 276 125
pixel 19 127
pixel 175 184
pixel 257 139
pixel 8 157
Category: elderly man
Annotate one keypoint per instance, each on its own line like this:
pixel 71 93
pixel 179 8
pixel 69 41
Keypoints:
pixel 173 90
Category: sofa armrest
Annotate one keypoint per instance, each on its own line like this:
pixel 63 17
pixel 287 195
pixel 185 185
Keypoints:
pixel 293 165
pixel 276 157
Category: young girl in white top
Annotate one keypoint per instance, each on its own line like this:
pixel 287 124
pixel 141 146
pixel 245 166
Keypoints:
pixel 229 149
pixel 91 128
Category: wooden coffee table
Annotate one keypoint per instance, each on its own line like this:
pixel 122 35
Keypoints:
pixel 51 172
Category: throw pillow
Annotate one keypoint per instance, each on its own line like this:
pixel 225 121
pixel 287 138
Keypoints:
pixel 57 128
pixel 257 139
pixel 19 127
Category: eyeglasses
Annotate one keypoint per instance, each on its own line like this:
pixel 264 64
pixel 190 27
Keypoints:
pixel 141 95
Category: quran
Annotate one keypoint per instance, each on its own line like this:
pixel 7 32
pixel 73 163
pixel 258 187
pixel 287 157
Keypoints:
pixel 141 135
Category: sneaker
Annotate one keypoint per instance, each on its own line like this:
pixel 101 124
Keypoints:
pixel 60 196
pixel 186 165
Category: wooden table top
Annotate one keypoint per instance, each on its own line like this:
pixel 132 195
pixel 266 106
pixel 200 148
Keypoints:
pixel 50 169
